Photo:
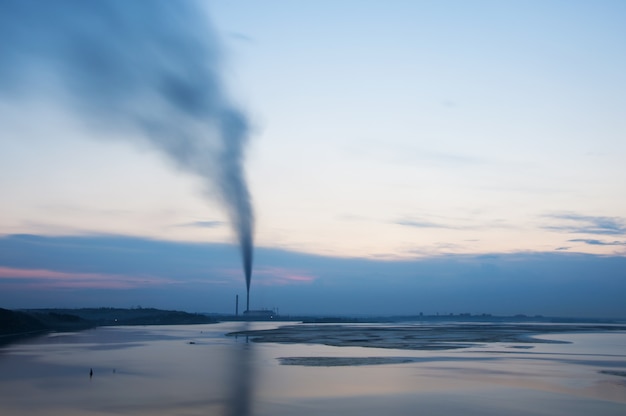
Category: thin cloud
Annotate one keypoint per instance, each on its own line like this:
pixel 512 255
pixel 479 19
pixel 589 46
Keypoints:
pixel 409 155
pixel 593 242
pixel 280 276
pixel 436 250
pixel 277 276
pixel 586 224
pixel 353 217
pixel 44 278
pixel 203 224
pixel 422 224
pixel 241 37
pixel 453 224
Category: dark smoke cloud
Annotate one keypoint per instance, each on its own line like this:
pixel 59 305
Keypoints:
pixel 152 66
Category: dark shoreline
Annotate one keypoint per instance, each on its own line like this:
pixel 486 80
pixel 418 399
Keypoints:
pixel 22 324
pixel 434 332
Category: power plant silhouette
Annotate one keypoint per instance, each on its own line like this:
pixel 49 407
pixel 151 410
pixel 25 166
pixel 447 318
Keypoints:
pixel 248 314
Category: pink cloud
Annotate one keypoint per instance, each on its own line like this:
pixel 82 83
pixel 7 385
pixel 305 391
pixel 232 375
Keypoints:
pixel 264 276
pixel 42 279
pixel 278 276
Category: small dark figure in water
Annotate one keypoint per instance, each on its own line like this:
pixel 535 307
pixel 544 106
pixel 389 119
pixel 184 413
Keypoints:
pixel 90 372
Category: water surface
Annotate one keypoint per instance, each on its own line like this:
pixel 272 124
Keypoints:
pixel 198 370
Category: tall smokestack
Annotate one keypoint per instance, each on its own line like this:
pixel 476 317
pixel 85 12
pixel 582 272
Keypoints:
pixel 137 66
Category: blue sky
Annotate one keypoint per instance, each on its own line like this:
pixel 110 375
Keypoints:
pixel 390 134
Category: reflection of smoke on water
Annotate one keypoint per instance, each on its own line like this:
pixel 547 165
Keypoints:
pixel 241 382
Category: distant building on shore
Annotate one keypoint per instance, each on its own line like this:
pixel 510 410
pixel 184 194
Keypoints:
pixel 259 314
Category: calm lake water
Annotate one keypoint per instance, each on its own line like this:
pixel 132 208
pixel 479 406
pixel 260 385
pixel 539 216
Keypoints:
pixel 197 370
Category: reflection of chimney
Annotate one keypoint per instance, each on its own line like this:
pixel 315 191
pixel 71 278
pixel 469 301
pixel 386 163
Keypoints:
pixel 236 305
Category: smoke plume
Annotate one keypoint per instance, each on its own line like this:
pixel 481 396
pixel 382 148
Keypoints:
pixel 148 66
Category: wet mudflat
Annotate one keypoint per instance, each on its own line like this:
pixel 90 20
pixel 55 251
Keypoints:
pixel 199 370
pixel 422 336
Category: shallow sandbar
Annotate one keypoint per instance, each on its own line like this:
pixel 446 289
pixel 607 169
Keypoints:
pixel 419 336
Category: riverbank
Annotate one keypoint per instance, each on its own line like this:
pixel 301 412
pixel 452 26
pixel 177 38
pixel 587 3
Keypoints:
pixel 25 323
